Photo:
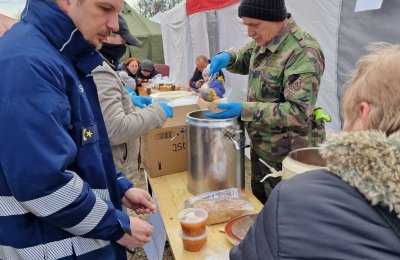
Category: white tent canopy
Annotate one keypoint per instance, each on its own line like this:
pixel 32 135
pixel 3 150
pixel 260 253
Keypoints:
pixel 341 32
pixel 185 38
pixel 156 18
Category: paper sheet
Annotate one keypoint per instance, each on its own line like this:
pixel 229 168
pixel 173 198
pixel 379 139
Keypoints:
pixel 155 248
pixel 365 5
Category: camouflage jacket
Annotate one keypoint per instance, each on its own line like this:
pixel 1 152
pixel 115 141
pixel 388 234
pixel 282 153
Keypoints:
pixel 283 84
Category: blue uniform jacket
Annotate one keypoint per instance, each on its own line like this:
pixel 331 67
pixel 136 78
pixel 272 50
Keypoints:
pixel 60 196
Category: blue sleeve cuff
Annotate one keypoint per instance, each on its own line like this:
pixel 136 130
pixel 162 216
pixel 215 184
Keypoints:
pixel 123 183
pixel 124 221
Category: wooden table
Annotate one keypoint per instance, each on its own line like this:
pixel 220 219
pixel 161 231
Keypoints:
pixel 170 192
pixel 142 90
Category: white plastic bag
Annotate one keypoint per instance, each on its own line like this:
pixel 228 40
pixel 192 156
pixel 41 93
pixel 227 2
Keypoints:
pixel 222 205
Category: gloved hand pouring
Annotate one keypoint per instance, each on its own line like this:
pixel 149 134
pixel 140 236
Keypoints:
pixel 232 109
pixel 218 62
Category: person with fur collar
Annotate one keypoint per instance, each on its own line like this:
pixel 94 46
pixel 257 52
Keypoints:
pixel 336 213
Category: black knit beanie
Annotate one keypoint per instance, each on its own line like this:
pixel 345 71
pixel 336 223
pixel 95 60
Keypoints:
pixel 268 10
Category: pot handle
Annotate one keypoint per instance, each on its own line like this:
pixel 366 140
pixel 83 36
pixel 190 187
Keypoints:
pixel 235 143
pixel 274 173
pixel 232 134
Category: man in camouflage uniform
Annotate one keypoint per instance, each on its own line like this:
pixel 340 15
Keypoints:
pixel 285 65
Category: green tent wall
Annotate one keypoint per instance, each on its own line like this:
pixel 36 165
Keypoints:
pixel 148 32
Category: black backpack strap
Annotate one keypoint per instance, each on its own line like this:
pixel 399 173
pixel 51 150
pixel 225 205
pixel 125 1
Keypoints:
pixel 390 218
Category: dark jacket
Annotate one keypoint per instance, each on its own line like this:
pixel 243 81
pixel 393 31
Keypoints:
pixel 327 214
pixel 60 196
pixel 130 74
pixel 141 76
pixel 197 75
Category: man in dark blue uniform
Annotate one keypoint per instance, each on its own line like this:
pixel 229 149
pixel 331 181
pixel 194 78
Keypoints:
pixel 60 195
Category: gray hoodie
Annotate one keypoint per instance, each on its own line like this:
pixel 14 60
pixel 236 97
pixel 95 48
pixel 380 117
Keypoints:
pixel 124 124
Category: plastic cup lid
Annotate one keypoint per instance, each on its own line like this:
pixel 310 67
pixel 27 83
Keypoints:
pixel 193 215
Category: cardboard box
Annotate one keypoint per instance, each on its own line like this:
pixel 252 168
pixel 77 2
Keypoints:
pixel 161 156
pixel 166 87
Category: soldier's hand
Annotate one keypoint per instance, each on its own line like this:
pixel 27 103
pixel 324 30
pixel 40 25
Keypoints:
pixel 219 62
pixel 232 109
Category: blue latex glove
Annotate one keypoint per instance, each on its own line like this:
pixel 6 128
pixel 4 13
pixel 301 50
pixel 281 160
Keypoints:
pixel 232 109
pixel 130 91
pixel 141 101
pixel 219 62
pixel 169 112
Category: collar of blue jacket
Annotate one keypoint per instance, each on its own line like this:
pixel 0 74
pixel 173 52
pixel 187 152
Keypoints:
pixel 62 33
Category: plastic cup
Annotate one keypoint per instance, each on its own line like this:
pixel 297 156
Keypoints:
pixel 193 221
pixel 193 244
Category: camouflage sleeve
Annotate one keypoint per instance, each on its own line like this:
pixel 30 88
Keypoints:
pixel 300 88
pixel 240 60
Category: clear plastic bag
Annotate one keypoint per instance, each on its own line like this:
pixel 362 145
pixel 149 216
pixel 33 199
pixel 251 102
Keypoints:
pixel 222 205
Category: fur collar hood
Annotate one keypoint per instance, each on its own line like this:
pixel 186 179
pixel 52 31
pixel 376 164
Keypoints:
pixel 368 161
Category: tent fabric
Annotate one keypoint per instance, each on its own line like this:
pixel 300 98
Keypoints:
pixel 148 32
pixel 5 23
pixel 156 18
pixel 341 32
pixel 213 32
pixel 186 37
pixel 323 23
pixel 176 38
pixel 359 29
pixel 199 34
pixel 194 6
pixel 233 35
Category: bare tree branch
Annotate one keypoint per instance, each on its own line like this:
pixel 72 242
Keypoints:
pixel 149 8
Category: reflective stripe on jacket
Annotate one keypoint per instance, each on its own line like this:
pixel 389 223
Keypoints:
pixel 59 193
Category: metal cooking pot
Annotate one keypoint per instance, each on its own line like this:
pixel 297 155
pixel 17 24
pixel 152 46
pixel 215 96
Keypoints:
pixel 215 152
